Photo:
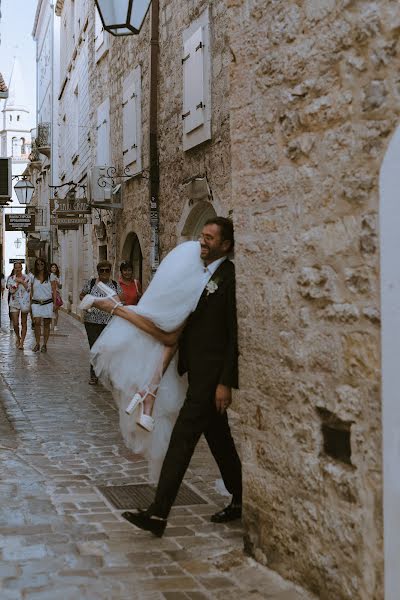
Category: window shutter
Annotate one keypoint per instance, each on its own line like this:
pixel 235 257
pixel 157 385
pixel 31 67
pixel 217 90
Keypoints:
pixel 98 32
pixel 103 134
pixel 193 81
pixel 129 110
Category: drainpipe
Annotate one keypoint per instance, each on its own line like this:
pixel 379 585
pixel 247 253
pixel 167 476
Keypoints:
pixel 154 185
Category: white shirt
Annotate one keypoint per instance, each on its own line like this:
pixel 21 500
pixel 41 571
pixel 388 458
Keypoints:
pixel 209 271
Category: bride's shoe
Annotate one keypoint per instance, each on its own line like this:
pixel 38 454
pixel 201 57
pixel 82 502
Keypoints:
pixel 145 421
pixel 138 399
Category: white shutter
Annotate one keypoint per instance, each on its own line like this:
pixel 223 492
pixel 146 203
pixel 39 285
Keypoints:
pixel 101 38
pixel 103 134
pixel 98 31
pixel 129 111
pixel 193 82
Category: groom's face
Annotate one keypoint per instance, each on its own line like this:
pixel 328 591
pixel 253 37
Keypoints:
pixel 212 245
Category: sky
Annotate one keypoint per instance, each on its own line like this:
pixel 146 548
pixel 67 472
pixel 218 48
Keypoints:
pixel 16 27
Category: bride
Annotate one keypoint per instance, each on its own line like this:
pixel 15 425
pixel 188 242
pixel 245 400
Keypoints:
pixel 134 357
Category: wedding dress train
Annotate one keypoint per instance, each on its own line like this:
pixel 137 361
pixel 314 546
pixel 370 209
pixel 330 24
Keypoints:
pixel 125 358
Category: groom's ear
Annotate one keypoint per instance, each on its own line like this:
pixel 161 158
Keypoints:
pixel 226 246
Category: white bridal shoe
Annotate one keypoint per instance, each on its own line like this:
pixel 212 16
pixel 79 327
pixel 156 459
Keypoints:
pixel 88 300
pixel 145 421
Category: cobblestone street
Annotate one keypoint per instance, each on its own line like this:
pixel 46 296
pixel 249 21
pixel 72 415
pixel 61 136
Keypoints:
pixel 59 537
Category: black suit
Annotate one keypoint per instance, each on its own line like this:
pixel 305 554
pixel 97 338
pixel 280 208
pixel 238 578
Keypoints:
pixel 208 353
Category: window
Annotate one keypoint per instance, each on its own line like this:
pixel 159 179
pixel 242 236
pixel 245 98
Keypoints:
pixel 101 38
pixel 131 119
pixel 103 157
pixel 196 115
pixel 17 117
pixel 23 146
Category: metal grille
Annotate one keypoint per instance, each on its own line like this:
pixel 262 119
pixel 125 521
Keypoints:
pixel 141 495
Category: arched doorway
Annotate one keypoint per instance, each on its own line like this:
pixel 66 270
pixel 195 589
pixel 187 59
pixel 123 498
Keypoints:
pixel 194 221
pixel 390 308
pixel 132 251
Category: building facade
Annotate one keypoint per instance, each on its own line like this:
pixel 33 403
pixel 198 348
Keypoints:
pixel 43 166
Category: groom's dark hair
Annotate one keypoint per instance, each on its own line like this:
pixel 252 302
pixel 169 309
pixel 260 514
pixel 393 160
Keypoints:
pixel 226 228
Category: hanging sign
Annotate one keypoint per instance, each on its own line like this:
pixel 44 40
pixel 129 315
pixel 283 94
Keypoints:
pixel 16 260
pixel 69 206
pixel 66 220
pixel 20 222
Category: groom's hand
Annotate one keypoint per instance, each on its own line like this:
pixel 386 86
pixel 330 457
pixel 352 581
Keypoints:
pixel 223 398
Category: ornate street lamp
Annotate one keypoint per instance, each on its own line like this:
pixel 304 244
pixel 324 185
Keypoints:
pixel 24 190
pixel 123 17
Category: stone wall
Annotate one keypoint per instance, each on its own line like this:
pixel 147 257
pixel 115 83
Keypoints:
pixel 314 100
pixel 176 166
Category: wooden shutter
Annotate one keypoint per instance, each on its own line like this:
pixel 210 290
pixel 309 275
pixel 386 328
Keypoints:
pixel 103 134
pixel 193 81
pixel 129 111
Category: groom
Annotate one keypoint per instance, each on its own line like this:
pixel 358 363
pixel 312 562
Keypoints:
pixel 208 353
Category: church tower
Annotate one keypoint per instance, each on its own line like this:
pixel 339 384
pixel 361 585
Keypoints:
pixel 15 133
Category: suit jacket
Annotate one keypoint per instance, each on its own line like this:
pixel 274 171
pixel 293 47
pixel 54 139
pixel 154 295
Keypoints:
pixel 208 343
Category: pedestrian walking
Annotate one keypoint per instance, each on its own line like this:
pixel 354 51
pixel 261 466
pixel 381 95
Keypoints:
pixel 55 276
pixel 8 302
pixel 207 353
pixel 43 299
pixel 95 320
pixel 19 288
pixel 131 288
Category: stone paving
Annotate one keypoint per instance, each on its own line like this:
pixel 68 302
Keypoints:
pixel 59 537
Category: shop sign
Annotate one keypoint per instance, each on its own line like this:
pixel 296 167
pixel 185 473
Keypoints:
pixel 20 222
pixel 17 260
pixel 67 220
pixel 69 206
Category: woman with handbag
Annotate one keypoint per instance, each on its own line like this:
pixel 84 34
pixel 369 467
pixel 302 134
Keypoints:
pixel 19 288
pixel 130 286
pixel 43 298
pixel 55 276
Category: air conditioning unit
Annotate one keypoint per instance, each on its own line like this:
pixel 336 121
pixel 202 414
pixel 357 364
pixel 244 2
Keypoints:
pixel 100 186
pixel 5 180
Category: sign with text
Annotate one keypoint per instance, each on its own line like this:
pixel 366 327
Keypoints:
pixel 67 220
pixel 69 206
pixel 20 222
pixel 17 260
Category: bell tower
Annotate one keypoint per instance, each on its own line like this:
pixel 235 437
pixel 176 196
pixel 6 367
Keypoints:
pixel 15 134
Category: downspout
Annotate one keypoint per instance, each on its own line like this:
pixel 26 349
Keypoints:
pixel 154 185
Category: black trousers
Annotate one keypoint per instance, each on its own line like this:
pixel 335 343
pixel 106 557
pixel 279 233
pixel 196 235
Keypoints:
pixel 198 415
pixel 93 330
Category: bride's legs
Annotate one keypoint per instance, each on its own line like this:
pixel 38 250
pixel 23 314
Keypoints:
pixel 166 338
pixel 149 392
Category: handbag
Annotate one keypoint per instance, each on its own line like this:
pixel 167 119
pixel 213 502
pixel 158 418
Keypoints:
pixel 59 301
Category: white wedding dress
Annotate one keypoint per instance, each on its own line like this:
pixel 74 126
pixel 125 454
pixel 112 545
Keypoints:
pixel 125 358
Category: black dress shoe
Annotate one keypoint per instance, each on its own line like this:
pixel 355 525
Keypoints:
pixel 229 513
pixel 147 522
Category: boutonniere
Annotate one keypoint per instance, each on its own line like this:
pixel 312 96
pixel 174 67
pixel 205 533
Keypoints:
pixel 212 286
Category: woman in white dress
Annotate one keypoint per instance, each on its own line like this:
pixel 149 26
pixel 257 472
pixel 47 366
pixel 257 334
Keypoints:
pixel 19 288
pixel 43 298
pixel 128 358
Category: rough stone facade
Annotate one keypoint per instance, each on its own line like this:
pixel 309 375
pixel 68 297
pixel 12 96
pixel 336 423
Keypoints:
pixel 314 99
pixel 180 213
